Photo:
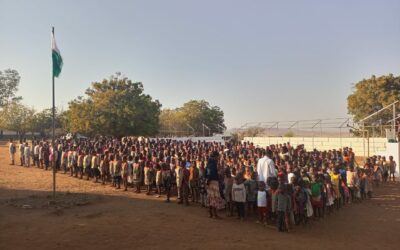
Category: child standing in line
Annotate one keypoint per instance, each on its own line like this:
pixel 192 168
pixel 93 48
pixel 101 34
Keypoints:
pixel 330 194
pixel 272 193
pixel 282 203
pixel 166 180
pixel 105 169
pixel 130 170
pixel 179 180
pixel 148 176
pixel 316 200
pixel 350 180
pixel 12 150
pixel 64 159
pixel 80 164
pixel 239 195
pixel 262 203
pixel 299 205
pixel 158 180
pixel 137 174
pixel 124 172
pixel 392 168
pixel 335 180
pixel 194 182
pixel 95 167
pixel 309 207
pixel 21 153
pixel 251 193
pixel 203 185
pixel 363 185
pixel 185 183
pixel 228 183
pixel 117 171
pixel 112 167
pixel 86 165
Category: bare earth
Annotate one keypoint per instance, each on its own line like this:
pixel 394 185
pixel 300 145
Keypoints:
pixel 92 216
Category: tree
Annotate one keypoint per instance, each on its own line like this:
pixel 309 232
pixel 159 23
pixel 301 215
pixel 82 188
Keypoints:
pixel 9 81
pixel 371 95
pixel 42 121
pixel 115 106
pixel 191 117
pixel 17 117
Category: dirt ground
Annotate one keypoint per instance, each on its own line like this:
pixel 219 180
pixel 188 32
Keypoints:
pixel 91 216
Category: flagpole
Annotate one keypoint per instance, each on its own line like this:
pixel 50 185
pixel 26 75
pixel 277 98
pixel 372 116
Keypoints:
pixel 53 141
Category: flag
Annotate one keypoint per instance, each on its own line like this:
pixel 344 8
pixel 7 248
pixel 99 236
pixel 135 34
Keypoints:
pixel 57 59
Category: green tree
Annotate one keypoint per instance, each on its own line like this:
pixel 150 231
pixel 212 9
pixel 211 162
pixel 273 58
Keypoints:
pixel 42 121
pixel 371 95
pixel 193 114
pixel 115 106
pixel 9 81
pixel 17 117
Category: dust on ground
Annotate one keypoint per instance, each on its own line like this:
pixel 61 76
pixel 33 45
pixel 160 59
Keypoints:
pixel 89 215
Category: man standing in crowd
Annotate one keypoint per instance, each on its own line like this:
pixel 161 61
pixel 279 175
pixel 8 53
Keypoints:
pixel 266 168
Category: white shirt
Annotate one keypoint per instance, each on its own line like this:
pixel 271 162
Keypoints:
pixel 36 150
pixel 262 199
pixel 27 151
pixel 290 175
pixel 238 192
pixel 265 169
pixel 12 148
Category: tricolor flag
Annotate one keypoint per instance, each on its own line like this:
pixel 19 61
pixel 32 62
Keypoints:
pixel 57 59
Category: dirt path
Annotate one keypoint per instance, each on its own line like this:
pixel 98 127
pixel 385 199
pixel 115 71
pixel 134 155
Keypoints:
pixel 92 216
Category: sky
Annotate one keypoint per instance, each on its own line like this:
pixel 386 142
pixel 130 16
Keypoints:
pixel 258 61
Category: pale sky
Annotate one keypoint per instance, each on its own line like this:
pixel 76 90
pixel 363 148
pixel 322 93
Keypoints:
pixel 257 60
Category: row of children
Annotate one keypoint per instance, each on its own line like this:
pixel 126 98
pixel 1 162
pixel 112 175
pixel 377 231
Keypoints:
pixel 279 183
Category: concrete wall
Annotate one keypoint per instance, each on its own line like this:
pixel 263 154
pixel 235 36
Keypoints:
pixel 325 143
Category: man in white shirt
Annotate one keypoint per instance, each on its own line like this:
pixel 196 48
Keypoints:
pixel 266 168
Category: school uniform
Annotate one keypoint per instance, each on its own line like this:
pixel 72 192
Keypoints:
pixel 21 153
pixel 239 197
pixel 12 151
pixel 27 155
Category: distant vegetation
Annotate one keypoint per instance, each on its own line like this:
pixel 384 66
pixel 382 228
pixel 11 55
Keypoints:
pixel 116 106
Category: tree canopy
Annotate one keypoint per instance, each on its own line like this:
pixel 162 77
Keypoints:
pixel 17 117
pixel 9 81
pixel 115 106
pixel 371 95
pixel 190 119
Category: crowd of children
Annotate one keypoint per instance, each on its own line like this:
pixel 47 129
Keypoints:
pixel 278 184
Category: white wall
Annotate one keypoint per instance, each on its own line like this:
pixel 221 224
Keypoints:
pixel 325 143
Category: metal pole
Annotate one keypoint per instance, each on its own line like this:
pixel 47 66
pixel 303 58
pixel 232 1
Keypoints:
pixel 363 131
pixel 367 141
pixel 394 119
pixel 53 135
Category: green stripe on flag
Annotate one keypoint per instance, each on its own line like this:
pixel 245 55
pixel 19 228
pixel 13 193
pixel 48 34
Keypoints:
pixel 57 63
